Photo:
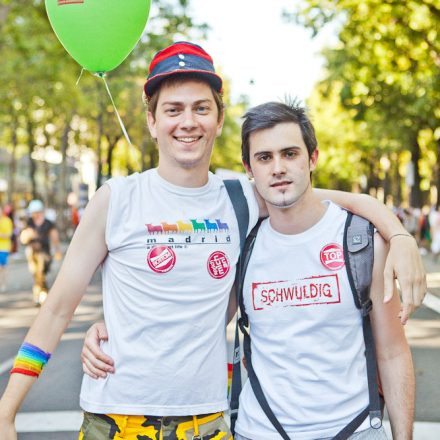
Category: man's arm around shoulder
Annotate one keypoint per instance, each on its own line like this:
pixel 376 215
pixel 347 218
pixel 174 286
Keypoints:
pixel 393 354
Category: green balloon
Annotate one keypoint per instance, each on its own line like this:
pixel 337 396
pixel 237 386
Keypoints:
pixel 98 34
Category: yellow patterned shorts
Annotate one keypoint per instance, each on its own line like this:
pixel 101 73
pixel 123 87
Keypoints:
pixel 116 426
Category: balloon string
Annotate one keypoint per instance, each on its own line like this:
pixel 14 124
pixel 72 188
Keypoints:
pixel 79 77
pixel 116 111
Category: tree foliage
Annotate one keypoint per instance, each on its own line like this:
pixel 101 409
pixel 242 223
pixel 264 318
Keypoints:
pixel 385 68
pixel 43 108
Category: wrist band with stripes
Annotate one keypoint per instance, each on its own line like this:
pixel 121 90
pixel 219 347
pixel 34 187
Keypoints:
pixel 30 360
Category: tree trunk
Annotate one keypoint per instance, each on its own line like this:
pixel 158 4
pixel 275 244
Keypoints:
pixel 46 196
pixel 438 174
pixel 397 180
pixel 100 122
pixel 111 147
pixel 153 154
pixel 372 179
pixel 416 195
pixel 32 164
pixel 4 11
pixel 13 161
pixel 143 153
pixel 62 193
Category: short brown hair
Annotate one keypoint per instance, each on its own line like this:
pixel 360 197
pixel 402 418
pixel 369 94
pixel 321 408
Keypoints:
pixel 176 79
pixel 269 115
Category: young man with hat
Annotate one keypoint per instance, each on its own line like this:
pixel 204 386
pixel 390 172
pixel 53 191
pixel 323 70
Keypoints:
pixel 168 242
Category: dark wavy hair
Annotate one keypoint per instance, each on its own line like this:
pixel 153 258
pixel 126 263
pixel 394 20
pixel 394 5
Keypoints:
pixel 270 114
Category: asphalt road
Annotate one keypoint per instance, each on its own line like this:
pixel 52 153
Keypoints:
pixel 51 410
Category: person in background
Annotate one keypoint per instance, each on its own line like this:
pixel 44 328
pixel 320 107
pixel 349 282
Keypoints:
pixel 435 234
pixel 9 211
pixel 38 237
pixel 6 231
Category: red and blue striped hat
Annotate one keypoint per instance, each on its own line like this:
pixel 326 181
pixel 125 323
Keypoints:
pixel 179 59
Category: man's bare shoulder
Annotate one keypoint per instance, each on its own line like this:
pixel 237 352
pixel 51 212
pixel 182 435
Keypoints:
pixel 95 214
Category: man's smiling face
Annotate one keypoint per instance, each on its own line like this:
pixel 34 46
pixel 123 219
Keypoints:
pixel 185 124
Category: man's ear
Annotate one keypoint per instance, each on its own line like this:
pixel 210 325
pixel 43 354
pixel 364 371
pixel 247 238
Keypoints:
pixel 248 169
pixel 220 123
pixel 151 121
pixel 314 159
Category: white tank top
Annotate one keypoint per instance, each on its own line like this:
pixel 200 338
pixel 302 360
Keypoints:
pixel 166 282
pixel 307 341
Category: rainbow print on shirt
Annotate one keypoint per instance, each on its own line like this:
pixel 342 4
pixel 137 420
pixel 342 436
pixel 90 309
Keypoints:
pixel 188 226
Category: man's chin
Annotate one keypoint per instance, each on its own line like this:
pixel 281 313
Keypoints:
pixel 282 204
pixel 189 163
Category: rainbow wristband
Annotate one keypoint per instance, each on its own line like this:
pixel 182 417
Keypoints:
pixel 30 360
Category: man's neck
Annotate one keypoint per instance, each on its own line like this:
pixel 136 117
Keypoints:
pixel 187 178
pixel 299 217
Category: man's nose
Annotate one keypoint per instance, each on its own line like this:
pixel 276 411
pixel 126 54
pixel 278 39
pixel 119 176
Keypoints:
pixel 188 120
pixel 279 166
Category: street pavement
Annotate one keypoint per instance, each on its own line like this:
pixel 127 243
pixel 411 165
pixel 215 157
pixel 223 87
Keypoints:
pixel 51 409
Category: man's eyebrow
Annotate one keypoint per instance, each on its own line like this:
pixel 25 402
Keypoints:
pixel 290 147
pixel 172 103
pixel 200 101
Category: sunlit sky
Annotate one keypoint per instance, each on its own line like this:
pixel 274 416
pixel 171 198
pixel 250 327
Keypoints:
pixel 250 41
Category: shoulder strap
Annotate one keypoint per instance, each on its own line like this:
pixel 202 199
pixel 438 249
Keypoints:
pixel 359 260
pixel 241 208
pixel 243 322
pixel 242 267
pixel 241 319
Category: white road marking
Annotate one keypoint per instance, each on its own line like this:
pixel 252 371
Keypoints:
pixel 49 421
pixel 6 365
pixel 432 301
pixel 422 430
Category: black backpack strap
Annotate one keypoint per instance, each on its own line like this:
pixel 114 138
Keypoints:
pixel 242 320
pixel 244 323
pixel 256 386
pixel 359 259
pixel 241 270
pixel 241 209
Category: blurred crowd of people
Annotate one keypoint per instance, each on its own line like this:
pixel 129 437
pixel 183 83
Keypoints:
pixel 424 225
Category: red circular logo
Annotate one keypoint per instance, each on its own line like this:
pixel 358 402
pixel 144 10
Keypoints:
pixel 218 265
pixel 332 256
pixel 161 259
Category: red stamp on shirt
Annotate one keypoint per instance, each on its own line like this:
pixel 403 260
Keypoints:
pixel 218 265
pixel 332 256
pixel 161 259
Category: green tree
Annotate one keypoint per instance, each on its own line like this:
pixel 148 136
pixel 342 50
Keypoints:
pixel 387 60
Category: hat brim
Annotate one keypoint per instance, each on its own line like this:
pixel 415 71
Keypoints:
pixel 211 78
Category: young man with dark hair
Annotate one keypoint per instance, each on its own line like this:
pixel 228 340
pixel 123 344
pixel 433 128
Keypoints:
pixel 168 242
pixel 308 348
